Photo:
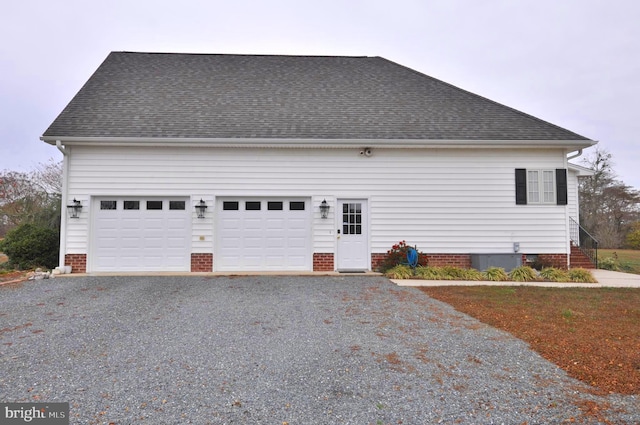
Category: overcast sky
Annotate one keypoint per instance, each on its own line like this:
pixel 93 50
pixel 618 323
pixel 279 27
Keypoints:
pixel 574 63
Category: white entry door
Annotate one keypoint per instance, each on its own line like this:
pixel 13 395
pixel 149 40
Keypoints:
pixel 353 241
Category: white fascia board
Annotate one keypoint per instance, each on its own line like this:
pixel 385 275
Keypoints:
pixel 580 170
pixel 316 143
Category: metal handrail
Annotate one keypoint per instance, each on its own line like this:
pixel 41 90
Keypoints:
pixel 583 240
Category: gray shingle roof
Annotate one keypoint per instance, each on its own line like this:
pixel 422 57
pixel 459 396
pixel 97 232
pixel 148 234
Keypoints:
pixel 244 96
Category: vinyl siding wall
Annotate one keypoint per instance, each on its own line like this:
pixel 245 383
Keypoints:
pixel 442 200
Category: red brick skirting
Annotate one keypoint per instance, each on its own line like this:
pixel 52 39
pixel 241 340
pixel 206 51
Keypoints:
pixel 78 262
pixel 464 260
pixel 555 260
pixel 322 262
pixel 377 259
pixel 202 262
pixel 455 260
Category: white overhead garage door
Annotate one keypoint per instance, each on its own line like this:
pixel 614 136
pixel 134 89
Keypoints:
pixel 140 234
pixel 263 234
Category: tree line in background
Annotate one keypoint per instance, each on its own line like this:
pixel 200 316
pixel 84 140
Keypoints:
pixel 609 209
pixel 30 208
pixel 30 215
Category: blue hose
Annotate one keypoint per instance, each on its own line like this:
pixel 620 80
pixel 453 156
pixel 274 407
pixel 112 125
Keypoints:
pixel 412 257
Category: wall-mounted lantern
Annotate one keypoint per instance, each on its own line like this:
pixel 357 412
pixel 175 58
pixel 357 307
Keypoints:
pixel 201 207
pixel 74 208
pixel 324 209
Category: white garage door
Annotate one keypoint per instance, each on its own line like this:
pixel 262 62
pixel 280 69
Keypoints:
pixel 263 234
pixel 141 234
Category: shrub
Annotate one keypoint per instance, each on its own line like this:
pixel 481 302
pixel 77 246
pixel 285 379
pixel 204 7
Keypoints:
pixel 581 275
pixel 473 274
pixel 399 272
pixel 429 273
pixel 632 241
pixel 397 255
pixel 29 246
pixel 447 273
pixel 610 263
pixel 553 274
pixel 523 274
pixel 495 274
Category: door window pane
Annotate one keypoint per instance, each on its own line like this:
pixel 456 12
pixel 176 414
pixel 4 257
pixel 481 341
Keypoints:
pixel 274 206
pixel 352 219
pixel 296 206
pixel 131 205
pixel 230 205
pixel 176 205
pixel 154 205
pixel 108 205
pixel 252 206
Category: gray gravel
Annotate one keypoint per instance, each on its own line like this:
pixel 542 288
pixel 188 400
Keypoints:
pixel 273 350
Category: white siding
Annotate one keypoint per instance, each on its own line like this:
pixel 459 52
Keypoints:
pixel 572 189
pixel 443 200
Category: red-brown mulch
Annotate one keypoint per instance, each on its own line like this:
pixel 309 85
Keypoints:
pixel 13 276
pixel 591 333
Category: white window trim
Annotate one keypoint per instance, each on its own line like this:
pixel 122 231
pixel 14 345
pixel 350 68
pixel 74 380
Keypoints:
pixel 541 192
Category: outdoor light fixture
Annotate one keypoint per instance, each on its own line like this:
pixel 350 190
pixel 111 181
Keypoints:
pixel 201 208
pixel 324 209
pixel 74 208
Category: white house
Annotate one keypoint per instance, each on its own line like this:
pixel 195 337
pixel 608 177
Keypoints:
pixel 261 142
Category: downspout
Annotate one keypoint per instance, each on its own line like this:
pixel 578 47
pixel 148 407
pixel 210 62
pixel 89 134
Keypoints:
pixel 63 207
pixel 575 156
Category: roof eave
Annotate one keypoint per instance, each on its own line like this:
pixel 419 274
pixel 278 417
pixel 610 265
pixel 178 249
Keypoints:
pixel 316 143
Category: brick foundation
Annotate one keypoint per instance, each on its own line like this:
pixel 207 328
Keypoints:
pixel 455 260
pixel 78 262
pixel 376 260
pixel 437 260
pixel 559 261
pixel 323 262
pixel 202 262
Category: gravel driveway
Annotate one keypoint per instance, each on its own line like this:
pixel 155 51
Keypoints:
pixel 274 350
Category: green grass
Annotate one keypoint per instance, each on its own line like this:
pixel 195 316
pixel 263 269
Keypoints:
pixel 629 259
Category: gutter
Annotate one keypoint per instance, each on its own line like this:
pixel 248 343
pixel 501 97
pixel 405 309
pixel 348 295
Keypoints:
pixel 261 142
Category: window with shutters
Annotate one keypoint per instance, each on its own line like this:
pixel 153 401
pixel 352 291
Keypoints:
pixel 541 187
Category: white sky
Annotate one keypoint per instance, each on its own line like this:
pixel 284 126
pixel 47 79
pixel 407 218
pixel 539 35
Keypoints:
pixel 574 63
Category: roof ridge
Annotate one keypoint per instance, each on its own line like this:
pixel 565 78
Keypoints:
pixel 274 55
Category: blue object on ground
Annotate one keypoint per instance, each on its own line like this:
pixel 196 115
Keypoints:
pixel 412 257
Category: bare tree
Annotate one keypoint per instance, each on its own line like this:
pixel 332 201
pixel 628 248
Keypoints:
pixel 31 197
pixel 608 207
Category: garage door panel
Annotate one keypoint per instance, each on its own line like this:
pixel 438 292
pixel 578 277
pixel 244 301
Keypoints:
pixel 263 239
pixel 140 239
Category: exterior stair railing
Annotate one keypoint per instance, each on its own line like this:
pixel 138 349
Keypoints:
pixel 584 241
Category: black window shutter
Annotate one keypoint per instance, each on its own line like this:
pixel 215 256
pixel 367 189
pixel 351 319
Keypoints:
pixel 561 186
pixel 521 186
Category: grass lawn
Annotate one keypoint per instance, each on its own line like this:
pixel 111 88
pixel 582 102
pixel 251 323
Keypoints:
pixel 629 258
pixel 591 333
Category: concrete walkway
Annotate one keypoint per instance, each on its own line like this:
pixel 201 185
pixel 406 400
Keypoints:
pixel 605 278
